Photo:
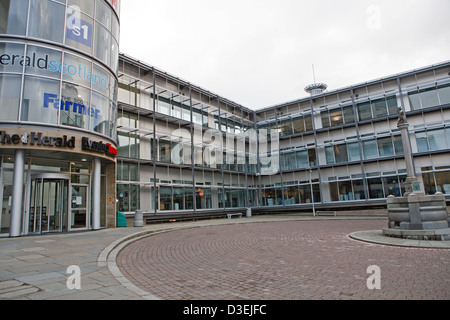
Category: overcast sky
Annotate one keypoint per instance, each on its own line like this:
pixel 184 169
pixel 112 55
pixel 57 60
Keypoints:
pixel 259 53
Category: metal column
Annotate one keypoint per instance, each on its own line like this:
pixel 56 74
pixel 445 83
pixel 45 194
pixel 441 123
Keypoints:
pixel 17 200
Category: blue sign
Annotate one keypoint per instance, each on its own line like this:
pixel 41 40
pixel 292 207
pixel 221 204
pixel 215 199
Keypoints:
pixel 79 30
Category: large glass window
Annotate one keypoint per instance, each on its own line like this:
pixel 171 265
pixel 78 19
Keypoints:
pixel 432 140
pixel 379 108
pixel 79 29
pixel 385 147
pixel 364 111
pixel 349 116
pixel 164 150
pixel 325 115
pixel 75 109
pixel 370 149
pixel 375 186
pixel 99 113
pixel 10 96
pixel 422 141
pixel 165 198
pixel 77 70
pixel 444 94
pixel 49 29
pixel 340 152
pixel 353 151
pixel 102 43
pixel 336 118
pixel 298 125
pixel 329 154
pixel 10 55
pixel 40 100
pixel 129 197
pixel 45 62
pixel 13 16
pixel 437 139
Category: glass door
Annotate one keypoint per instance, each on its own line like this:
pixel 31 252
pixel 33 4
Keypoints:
pixel 48 205
pixel 79 207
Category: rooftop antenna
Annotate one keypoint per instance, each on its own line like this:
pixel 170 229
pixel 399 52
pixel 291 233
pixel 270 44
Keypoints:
pixel 315 88
pixel 314 73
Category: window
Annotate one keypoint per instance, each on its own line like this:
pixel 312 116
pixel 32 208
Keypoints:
pixel 129 197
pixel 444 94
pixel 329 154
pixel 375 186
pixel 392 105
pixel 73 73
pixel 43 56
pixel 429 98
pixel 425 98
pixel 385 147
pixel 340 152
pixel 422 141
pixel 414 101
pixel 325 119
pixel 370 149
pixel 379 108
pixel 40 100
pixel 308 123
pixel 353 151
pixel 398 145
pixel 102 43
pixel 336 118
pixel 349 116
pixel 10 96
pixel 437 139
pixel 364 111
pixel 49 29
pixel 298 125
pixel 13 16
pixel 164 150
pixel 76 111
pixel 79 29
pixel 9 63
pixel 99 113
pixel 432 140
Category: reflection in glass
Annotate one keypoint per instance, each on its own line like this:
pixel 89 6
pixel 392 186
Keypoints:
pixel 49 29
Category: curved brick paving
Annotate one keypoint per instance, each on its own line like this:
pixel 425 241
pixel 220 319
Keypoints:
pixel 282 260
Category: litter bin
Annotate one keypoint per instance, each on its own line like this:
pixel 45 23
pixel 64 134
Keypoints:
pixel 249 212
pixel 139 219
pixel 121 220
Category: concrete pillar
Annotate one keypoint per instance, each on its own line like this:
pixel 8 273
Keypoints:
pixel 17 200
pixel 96 194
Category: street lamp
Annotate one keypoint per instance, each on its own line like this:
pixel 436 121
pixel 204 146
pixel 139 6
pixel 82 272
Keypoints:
pixel 312 196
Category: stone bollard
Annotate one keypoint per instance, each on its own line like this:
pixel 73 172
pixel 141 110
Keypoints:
pixel 139 219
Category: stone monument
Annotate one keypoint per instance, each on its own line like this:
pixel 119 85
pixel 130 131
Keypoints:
pixel 416 215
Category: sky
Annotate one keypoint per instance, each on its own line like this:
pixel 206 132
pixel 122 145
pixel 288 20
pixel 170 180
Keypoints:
pixel 259 53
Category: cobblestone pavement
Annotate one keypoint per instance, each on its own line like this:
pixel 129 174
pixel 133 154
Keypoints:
pixel 282 260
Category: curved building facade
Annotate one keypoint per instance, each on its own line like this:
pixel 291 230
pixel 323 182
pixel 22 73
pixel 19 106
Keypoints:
pixel 58 93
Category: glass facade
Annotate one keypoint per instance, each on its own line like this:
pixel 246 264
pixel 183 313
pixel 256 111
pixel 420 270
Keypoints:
pixel 335 148
pixel 60 86
pixel 58 79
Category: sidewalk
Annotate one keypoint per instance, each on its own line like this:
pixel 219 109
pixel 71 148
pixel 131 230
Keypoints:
pixel 36 267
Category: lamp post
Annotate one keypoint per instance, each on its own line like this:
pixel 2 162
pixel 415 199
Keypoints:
pixel 312 195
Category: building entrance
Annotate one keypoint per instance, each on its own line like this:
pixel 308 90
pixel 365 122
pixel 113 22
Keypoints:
pixel 48 203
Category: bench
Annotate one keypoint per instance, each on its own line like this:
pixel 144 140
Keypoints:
pixel 229 215
pixel 326 213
